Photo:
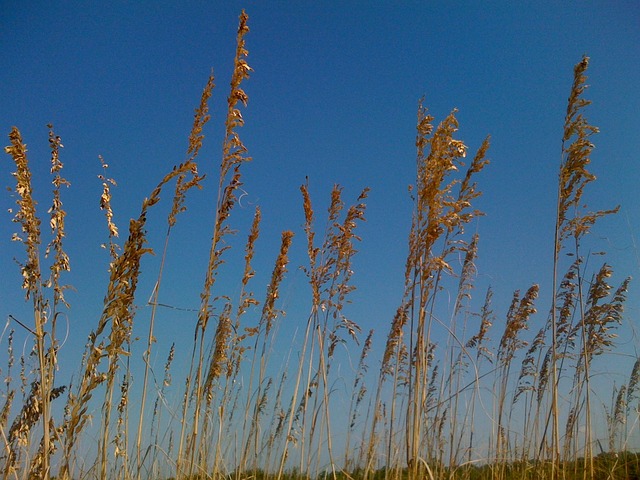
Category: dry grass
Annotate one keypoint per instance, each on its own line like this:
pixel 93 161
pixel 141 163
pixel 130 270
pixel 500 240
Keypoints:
pixel 519 406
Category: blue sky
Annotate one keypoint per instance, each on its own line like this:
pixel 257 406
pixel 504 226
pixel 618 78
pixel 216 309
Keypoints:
pixel 333 97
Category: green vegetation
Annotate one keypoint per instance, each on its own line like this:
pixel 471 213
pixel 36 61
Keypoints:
pixel 521 406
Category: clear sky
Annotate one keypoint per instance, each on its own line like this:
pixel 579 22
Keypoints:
pixel 333 97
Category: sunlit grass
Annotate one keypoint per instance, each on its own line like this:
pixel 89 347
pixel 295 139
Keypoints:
pixel 494 400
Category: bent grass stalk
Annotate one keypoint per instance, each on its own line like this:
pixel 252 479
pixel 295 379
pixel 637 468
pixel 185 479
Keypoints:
pixel 182 187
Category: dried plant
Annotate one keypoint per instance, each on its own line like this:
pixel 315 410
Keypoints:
pixel 572 222
pixel 105 205
pixel 329 272
pixel 183 185
pixel 260 351
pixel 358 392
pixel 233 155
pixel 518 316
pixel 45 311
pixel 245 416
pixel 118 314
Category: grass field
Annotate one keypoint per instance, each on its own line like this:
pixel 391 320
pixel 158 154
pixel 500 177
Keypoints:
pixel 488 403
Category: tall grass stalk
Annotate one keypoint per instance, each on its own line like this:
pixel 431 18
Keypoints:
pixel 45 311
pixel 118 313
pixel 572 223
pixel 329 274
pixel 233 155
pixel 182 186
pixel 269 314
pixel 440 214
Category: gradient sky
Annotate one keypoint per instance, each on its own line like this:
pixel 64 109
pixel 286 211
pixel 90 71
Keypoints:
pixel 333 97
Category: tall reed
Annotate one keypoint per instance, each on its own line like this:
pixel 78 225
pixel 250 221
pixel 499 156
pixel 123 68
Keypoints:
pixel 329 274
pixel 233 156
pixel 442 208
pixel 572 224
pixel 45 310
pixel 183 185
